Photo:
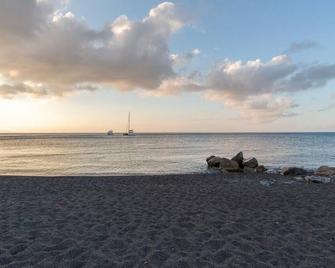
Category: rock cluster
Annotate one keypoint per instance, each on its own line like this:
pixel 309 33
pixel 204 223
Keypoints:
pixel 236 164
pixel 294 171
pixel 323 174
pixel 325 171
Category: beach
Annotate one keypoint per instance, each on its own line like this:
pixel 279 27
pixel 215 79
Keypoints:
pixel 195 220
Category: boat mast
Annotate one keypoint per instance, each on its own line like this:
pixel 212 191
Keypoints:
pixel 128 121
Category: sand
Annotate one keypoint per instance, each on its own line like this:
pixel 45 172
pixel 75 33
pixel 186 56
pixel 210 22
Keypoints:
pixel 166 221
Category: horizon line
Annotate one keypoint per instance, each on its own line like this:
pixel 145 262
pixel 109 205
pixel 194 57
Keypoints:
pixel 177 132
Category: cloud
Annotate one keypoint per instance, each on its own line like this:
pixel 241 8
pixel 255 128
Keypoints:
pixel 311 77
pixel 259 89
pixel 238 80
pixel 266 108
pixel 278 75
pixel 45 49
pixel 250 87
pixel 10 90
pixel 20 19
pixel 179 84
pixel 300 46
pixel 54 48
pixel 181 60
pixel 261 108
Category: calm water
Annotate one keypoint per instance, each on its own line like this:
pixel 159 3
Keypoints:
pixel 99 154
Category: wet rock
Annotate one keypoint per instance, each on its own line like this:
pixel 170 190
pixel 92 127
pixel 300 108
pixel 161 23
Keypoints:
pixel 260 169
pixel 294 171
pixel 239 159
pixel 229 165
pixel 325 171
pixel 214 162
pixel 237 163
pixel 250 162
pixel 209 158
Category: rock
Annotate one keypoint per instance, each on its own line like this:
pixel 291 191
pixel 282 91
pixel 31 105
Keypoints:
pixel 239 159
pixel 213 162
pixel 325 171
pixel 224 164
pixel 293 171
pixel 209 158
pixel 248 170
pixel 250 162
pixel 318 179
pixel 260 169
pixel 229 165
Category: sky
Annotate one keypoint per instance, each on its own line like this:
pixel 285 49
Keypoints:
pixel 182 66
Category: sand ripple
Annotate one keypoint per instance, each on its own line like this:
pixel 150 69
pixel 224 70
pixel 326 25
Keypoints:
pixel 166 221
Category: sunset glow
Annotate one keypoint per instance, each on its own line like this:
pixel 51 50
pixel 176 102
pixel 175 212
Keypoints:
pixel 68 67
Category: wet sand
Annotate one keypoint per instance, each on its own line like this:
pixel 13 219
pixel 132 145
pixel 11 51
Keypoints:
pixel 166 221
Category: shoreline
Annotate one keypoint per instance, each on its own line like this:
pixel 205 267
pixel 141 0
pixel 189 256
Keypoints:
pixel 206 172
pixel 88 176
pixel 193 220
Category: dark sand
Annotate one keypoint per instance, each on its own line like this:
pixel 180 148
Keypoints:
pixel 166 221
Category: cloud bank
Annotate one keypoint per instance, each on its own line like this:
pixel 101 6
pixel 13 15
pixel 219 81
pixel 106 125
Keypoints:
pixel 46 50
pixel 45 46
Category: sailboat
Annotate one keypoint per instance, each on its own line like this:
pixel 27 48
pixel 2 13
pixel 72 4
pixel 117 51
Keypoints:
pixel 129 132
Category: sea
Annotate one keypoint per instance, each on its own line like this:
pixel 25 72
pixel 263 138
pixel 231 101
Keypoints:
pixel 159 153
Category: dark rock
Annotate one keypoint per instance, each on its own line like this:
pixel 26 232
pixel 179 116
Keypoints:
pixel 209 158
pixel 214 162
pixel 260 169
pixel 239 159
pixel 325 171
pixel 250 162
pixel 294 171
pixel 229 165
